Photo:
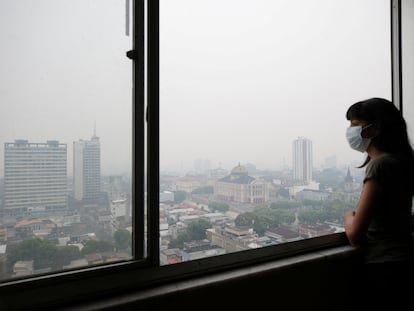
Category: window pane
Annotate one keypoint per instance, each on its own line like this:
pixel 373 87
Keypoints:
pixel 407 43
pixel 253 96
pixel 66 135
pixel 407 60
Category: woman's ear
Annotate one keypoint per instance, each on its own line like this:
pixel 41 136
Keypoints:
pixel 369 132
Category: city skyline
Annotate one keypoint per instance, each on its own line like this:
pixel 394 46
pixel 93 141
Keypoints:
pixel 202 165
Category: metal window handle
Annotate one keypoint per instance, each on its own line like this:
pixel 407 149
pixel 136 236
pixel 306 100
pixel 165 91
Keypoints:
pixel 132 54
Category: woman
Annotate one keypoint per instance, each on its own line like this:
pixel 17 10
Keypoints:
pixel 380 225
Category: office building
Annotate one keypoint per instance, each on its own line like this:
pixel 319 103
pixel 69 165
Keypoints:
pixel 35 177
pixel 87 169
pixel 302 160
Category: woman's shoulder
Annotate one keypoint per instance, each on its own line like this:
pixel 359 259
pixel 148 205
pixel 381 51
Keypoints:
pixel 390 165
pixel 390 158
pixel 384 159
pixel 385 163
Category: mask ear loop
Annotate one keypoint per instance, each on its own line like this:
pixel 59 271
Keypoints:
pixel 368 127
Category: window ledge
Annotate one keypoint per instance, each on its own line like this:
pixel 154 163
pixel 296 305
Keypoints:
pixel 336 254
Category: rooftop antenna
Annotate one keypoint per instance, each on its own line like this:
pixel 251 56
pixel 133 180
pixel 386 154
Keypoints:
pixel 94 130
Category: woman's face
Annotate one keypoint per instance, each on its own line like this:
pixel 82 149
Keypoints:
pixel 368 130
pixel 355 122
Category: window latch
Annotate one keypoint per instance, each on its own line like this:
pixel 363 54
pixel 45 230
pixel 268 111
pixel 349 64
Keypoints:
pixel 132 54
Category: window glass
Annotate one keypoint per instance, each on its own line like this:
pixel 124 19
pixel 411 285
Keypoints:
pixel 65 134
pixel 253 96
pixel 407 53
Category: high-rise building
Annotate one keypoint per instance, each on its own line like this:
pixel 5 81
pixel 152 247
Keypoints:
pixel 35 177
pixel 302 159
pixel 87 169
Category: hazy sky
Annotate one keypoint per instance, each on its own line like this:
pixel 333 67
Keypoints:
pixel 63 69
pixel 239 80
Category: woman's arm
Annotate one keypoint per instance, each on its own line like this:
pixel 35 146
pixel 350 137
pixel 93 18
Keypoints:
pixel 357 222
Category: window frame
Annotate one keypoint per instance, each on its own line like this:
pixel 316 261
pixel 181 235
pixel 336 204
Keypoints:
pixel 145 271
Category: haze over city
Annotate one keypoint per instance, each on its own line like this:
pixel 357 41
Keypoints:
pixel 253 153
pixel 227 92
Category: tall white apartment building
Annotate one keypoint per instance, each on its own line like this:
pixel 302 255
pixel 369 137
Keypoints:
pixel 35 177
pixel 302 159
pixel 87 169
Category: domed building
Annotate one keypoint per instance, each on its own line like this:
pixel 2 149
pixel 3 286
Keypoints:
pixel 242 188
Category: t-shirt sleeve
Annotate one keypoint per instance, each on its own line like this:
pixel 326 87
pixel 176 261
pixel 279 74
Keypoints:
pixel 379 169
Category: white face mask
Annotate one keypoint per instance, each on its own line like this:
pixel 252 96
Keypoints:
pixel 355 140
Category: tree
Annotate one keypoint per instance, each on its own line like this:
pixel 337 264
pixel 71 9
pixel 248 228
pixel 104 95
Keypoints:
pixel 43 253
pixel 93 246
pixel 285 205
pixel 66 254
pixel 197 229
pixel 311 216
pixel 179 241
pixel 122 239
pixel 269 217
pixel 179 196
pixel 329 177
pixel 246 219
pixel 218 206
pixel 284 192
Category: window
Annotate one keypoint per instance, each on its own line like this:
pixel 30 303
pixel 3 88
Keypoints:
pixel 253 98
pixel 66 137
pixel 236 91
pixel 403 59
pixel 407 73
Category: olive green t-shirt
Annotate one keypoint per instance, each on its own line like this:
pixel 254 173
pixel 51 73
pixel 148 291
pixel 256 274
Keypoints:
pixel 389 236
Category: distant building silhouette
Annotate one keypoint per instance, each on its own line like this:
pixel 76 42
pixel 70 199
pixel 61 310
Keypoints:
pixel 302 160
pixel 87 169
pixel 202 166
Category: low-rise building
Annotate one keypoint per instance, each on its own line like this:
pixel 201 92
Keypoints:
pixel 242 188
pixel 23 268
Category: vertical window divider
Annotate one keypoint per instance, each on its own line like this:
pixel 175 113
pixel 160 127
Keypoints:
pixel 396 59
pixel 138 135
pixel 153 133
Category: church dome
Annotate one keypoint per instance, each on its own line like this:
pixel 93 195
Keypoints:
pixel 239 170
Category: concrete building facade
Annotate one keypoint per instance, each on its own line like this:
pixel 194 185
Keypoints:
pixel 87 169
pixel 302 160
pixel 35 177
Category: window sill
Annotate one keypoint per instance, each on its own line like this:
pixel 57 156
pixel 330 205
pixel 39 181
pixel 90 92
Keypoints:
pixel 316 261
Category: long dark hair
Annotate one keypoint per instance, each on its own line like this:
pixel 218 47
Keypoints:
pixel 392 134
